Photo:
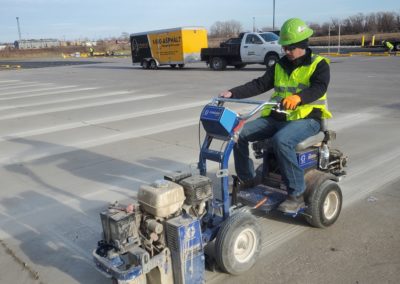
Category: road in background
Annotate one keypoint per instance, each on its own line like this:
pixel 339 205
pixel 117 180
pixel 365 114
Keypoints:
pixel 74 138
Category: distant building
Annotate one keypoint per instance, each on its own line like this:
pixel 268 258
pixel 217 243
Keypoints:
pixel 36 43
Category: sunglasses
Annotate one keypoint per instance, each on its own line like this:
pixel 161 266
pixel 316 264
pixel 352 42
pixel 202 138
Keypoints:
pixel 289 48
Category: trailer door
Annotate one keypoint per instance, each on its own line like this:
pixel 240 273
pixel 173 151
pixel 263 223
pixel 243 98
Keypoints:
pixel 140 48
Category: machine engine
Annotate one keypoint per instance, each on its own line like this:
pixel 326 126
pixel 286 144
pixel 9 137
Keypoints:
pixel 139 239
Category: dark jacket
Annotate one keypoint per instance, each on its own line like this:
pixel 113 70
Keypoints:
pixel 319 82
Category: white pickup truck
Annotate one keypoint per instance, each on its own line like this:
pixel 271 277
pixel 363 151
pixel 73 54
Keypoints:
pixel 250 48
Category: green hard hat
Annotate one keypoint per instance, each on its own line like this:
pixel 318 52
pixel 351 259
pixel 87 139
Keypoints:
pixel 294 30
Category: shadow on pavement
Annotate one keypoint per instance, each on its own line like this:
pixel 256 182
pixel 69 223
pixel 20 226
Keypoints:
pixel 57 235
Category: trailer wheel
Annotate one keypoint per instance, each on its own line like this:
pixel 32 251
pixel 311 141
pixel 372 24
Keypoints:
pixel 181 66
pixel 172 66
pixel 217 63
pixel 238 243
pixel 153 64
pixel 270 59
pixel 324 204
pixel 145 64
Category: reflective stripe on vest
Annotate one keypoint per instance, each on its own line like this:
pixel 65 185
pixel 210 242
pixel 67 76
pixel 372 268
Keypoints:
pixel 298 80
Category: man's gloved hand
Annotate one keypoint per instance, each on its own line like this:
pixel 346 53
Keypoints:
pixel 291 102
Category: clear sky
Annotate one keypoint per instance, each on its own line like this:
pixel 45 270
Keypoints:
pixel 95 19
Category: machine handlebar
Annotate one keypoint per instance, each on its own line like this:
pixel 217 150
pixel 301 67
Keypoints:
pixel 260 104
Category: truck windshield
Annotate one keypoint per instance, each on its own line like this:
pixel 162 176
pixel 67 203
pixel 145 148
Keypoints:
pixel 269 37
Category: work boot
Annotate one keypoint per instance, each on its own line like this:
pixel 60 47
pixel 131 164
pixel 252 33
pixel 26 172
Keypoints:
pixel 292 204
pixel 246 184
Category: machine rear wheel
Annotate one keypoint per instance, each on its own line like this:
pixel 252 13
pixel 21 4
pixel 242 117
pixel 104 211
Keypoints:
pixel 238 243
pixel 324 204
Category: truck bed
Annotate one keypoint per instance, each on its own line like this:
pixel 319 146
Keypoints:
pixel 230 51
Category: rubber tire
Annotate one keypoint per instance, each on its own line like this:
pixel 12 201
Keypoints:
pixel 225 242
pixel 172 66
pixel 145 64
pixel 315 215
pixel 153 64
pixel 270 57
pixel 217 63
pixel 181 66
pixel 397 47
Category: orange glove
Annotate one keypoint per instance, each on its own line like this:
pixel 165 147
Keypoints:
pixel 291 102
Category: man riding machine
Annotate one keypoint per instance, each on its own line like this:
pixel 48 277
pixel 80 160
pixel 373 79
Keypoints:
pixel 300 80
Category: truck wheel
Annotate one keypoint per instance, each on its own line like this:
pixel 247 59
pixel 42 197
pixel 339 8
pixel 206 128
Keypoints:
pixel 240 66
pixel 397 47
pixel 145 64
pixel 238 243
pixel 153 64
pixel 181 66
pixel 324 204
pixel 172 66
pixel 218 63
pixel 270 60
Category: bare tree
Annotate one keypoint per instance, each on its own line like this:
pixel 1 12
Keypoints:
pixel 316 28
pixel 226 29
pixel 386 21
pixel 370 23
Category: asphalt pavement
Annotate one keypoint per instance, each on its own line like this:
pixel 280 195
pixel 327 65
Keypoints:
pixel 75 137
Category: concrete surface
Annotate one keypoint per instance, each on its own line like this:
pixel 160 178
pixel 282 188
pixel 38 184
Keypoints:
pixel 75 137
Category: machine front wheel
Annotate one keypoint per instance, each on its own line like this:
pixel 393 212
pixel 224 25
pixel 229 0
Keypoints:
pixel 324 204
pixel 238 243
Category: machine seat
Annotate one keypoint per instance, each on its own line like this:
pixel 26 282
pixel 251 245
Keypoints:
pixel 310 141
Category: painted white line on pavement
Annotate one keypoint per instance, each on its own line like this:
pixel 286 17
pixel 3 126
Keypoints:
pixel 64 100
pixel 10 137
pixel 98 141
pixel 24 85
pixel 36 90
pixel 347 121
pixel 8 81
pixel 48 93
pixel 80 106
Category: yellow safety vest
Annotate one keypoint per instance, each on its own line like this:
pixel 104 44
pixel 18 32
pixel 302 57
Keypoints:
pixel 298 80
pixel 389 45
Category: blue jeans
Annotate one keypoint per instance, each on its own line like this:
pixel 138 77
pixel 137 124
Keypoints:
pixel 284 136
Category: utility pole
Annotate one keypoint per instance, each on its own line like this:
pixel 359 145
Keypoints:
pixel 19 30
pixel 338 51
pixel 273 15
pixel 254 24
pixel 329 38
